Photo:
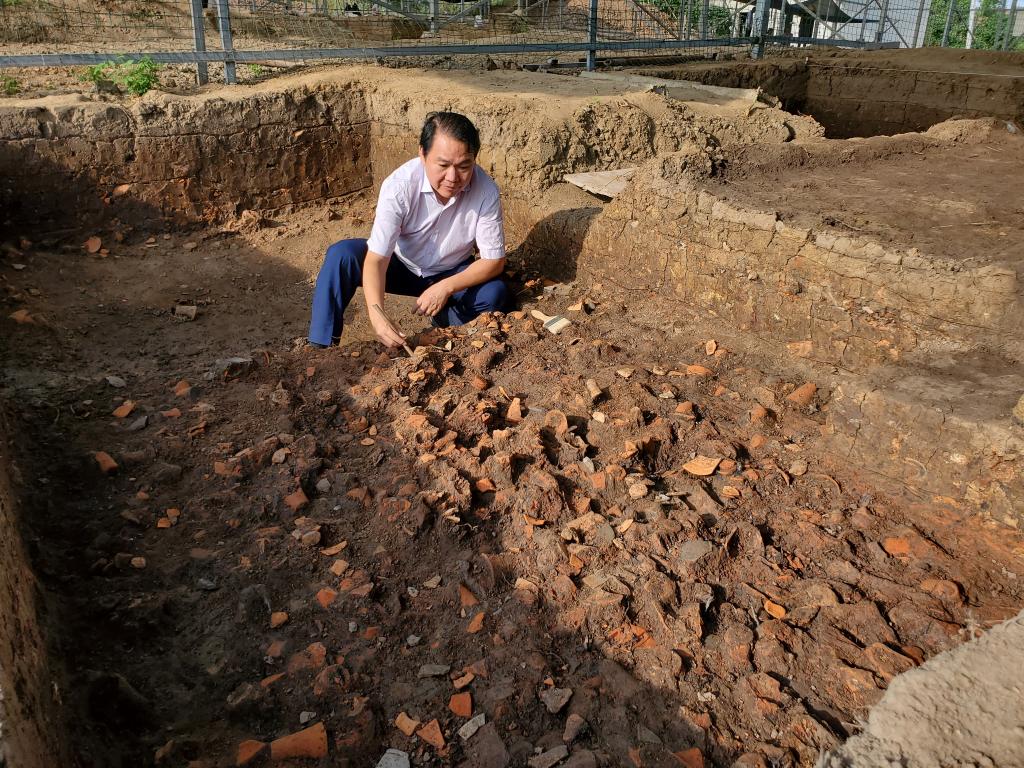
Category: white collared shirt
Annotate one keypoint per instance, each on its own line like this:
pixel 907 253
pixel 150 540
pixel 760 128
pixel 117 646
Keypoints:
pixel 429 237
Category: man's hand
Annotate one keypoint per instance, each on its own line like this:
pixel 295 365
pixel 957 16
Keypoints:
pixel 432 300
pixel 388 336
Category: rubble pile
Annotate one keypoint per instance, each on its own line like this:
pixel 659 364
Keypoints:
pixel 513 548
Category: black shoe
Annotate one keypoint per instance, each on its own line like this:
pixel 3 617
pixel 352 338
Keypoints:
pixel 317 346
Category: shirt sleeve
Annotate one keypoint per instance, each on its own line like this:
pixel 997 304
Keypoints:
pixel 387 221
pixel 490 229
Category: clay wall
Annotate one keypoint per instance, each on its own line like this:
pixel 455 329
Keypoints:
pixel 30 730
pixel 859 98
pixel 846 305
pixel 190 159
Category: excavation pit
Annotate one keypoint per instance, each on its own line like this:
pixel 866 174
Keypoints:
pixel 858 94
pixel 756 609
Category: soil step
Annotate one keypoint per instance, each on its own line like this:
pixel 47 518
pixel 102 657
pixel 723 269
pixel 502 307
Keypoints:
pixel 947 428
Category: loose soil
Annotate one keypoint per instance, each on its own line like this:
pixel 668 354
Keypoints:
pixel 402 513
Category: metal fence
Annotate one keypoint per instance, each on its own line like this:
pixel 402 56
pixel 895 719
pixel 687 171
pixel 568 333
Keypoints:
pixel 79 32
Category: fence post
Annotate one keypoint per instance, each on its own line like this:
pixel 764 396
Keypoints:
pixel 883 14
pixel 199 37
pixel 949 23
pixel 918 42
pixel 1010 21
pixel 435 14
pixel 592 30
pixel 762 15
pixel 224 22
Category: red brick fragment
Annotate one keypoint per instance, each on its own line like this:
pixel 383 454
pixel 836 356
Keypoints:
pixel 310 743
pixel 105 462
pixel 326 596
pixel 431 733
pixel 249 750
pixel 803 395
pixel 690 758
pixel 461 704
pixel 297 500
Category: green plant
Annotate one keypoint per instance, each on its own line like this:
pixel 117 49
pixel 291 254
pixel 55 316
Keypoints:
pixel 990 26
pixel 957 28
pixel 719 20
pixel 256 70
pixel 9 86
pixel 137 77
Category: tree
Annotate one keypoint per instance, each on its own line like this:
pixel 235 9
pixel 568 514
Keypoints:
pixel 990 24
pixel 937 23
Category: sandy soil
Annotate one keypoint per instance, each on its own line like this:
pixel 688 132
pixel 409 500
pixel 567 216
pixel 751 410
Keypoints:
pixel 756 611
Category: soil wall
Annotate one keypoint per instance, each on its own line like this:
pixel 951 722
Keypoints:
pixel 192 159
pixel 842 305
pixel 186 159
pixel 851 96
pixel 30 731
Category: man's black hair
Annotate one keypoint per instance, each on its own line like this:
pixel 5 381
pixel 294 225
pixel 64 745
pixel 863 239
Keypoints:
pixel 453 124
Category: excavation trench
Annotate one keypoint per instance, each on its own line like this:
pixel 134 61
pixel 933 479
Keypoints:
pixel 290 535
pixel 880 93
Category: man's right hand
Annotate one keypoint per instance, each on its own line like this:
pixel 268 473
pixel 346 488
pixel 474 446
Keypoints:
pixel 388 336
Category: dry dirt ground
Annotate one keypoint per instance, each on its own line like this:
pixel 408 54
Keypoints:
pixel 466 556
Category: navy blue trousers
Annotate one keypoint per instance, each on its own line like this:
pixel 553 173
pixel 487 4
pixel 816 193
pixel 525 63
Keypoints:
pixel 342 273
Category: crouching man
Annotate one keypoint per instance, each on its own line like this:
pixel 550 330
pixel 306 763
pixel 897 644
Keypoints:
pixel 431 214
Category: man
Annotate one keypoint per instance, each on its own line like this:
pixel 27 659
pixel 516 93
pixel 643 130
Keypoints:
pixel 431 213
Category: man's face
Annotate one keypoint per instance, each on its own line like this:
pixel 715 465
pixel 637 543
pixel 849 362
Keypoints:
pixel 449 165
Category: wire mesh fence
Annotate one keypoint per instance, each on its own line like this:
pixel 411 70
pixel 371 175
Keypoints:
pixel 57 32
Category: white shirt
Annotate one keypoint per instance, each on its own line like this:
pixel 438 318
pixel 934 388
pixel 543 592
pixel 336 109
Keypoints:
pixel 429 237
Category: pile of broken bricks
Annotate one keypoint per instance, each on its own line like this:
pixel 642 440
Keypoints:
pixel 520 548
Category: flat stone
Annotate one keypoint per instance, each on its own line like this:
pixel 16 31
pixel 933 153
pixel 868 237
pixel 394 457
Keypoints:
pixel 394 758
pixel 139 424
pixel 574 726
pixel 555 698
pixel 434 670
pixel 467 731
pixel 550 758
pixel 487 750
pixel 692 551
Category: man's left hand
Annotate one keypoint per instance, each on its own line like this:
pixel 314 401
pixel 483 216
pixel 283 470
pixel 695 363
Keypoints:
pixel 432 300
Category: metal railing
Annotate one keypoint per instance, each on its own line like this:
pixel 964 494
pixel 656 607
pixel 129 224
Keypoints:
pixel 230 32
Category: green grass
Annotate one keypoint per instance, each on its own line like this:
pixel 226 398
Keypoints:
pixel 135 76
pixel 9 86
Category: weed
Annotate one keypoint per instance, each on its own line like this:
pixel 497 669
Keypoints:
pixel 256 70
pixel 137 77
pixel 8 85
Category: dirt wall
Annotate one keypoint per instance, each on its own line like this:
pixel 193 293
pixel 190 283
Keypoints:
pixel 886 93
pixel 325 135
pixel 190 159
pixel 870 319
pixel 30 731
